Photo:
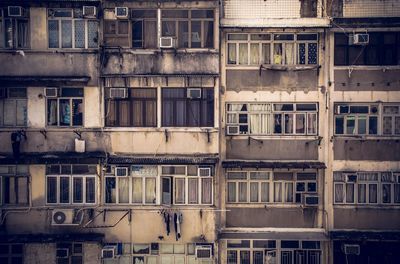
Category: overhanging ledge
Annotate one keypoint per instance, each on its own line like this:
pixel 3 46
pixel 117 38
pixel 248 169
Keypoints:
pixel 6 80
pixel 230 164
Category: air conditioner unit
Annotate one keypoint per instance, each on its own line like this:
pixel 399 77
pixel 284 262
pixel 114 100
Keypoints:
pixel 121 12
pixel 51 92
pixel 121 171
pixel 204 251
pixel 64 217
pixel 109 252
pixel 360 39
pixel 204 172
pixel 311 200
pixel 351 249
pixel 232 130
pixel 79 145
pixel 118 93
pixel 89 11
pixel 15 11
pixel 62 252
pixel 194 93
pixel 167 42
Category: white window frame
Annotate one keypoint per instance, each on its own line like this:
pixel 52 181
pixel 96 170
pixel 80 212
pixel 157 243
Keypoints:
pixel 16 175
pixel 16 100
pixel 393 119
pixel 15 34
pixel 271 41
pixel 73 20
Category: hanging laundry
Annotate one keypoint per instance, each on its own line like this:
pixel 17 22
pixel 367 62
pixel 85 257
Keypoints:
pixel 177 222
pixel 167 220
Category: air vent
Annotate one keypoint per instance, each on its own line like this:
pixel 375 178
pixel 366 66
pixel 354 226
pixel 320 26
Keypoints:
pixel 121 171
pixel 51 92
pixel 167 42
pixel 351 249
pixel 204 252
pixel 121 12
pixel 15 11
pixel 89 11
pixel 194 93
pixel 232 130
pixel 118 93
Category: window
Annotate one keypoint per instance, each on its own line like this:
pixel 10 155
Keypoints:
pixel 278 49
pixel 138 109
pixel 68 29
pixel 138 186
pixel 382 49
pixel 366 119
pixel 66 108
pixel 12 253
pixel 267 187
pixel 366 188
pixel 179 110
pixel 270 251
pixel 69 253
pixel 14 31
pixel 271 119
pixel 71 184
pixel 144 29
pixel 14 185
pixel 116 33
pixel 13 107
pixel 186 185
pixel 190 28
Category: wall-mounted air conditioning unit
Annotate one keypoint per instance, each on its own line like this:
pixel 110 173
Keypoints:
pixel 311 200
pixel 121 171
pixel 62 217
pixel 118 93
pixel 51 92
pixel 121 12
pixel 193 93
pixel 109 252
pixel 204 172
pixel 167 42
pixel 204 251
pixel 79 145
pixel 89 11
pixel 359 39
pixel 232 130
pixel 351 249
pixel 62 252
pixel 15 11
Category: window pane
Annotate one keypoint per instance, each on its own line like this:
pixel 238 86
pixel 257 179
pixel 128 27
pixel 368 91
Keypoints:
pixel 397 193
pixel 93 34
pixel 264 192
pixel 231 192
pixel 111 190
pixel 183 41
pixel 9 112
pixel 266 53
pixel 386 193
pixel 288 123
pixel 123 189
pixel 350 125
pixel 278 124
pixel 362 193
pixel 242 192
pixel 77 190
pixel 66 33
pixel 53 34
pixel 253 191
pixel 349 193
pixel 193 187
pixel 339 193
pixel 288 192
pixel 244 257
pixel 51 189
pixel 232 53
pixel 206 191
pixel 300 123
pixel 243 53
pixel 196 34
pixel 278 192
pixel 77 112
pixel 339 127
pixel 79 33
pixel 311 123
pixel 373 193
pixel 362 124
pixel 150 190
pixel 168 29
pixel 64 189
pixel 208 34
pixel 23 34
pixel 65 112
pixel 387 125
pixel 232 257
pixel 90 189
pixel 373 125
pixel 179 191
pixel 302 53
pixel 137 190
pixel 254 53
pixel 278 53
pixel 21 112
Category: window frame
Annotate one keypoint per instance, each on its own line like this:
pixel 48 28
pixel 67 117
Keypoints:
pixel 10 255
pixel 271 40
pixel 14 173
pixel 15 99
pixel 73 20
pixel 142 20
pixel 15 30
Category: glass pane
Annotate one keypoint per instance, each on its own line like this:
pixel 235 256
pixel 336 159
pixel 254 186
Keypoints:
pixel 349 193
pixel 232 257
pixel 242 192
pixel 350 125
pixel 123 189
pixel 289 53
pixel 52 112
pixel 168 29
pixel 90 189
pixel 244 257
pixel 278 53
pixel 150 190
pixel 183 40
pixel 373 193
pixel 362 193
pixel 312 53
pixel 193 187
pixel 9 112
pixel 254 54
pixel 77 112
pixel 231 192
pixel 311 124
pixel 111 190
pixel 65 112
pixel 77 185
pixel 254 191
pixel 339 127
pixel 64 189
pixel 264 192
pixel 266 53
pixel 206 190
pixel 179 191
pixel 300 123
pixel 53 34
pixel 23 34
pixel 243 53
pixel 386 193
pixel 232 53
pixel 397 193
pixel 137 190
pixel 66 33
pixel 278 192
pixel 362 125
pixel 288 123
pixel 79 33
pixel 93 34
pixel 208 34
pixel 258 257
pixel 51 189
pixel 196 34
pixel 387 125
pixel 288 192
pixel 302 53
pixel 21 112
pixel 373 125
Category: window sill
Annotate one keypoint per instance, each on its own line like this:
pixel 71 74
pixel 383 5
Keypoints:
pixel 275 137
pixel 156 51
pixel 366 137
pixel 368 206
pixel 154 207
pixel 272 67
pixel 51 51
pixel 267 206
pixel 161 129
pixel 368 67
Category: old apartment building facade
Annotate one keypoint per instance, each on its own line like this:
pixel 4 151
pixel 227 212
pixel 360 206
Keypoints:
pixel 235 131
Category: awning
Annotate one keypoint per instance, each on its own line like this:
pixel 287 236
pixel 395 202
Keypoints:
pixel 54 158
pixel 43 80
pixel 170 159
pixel 273 164
pixel 295 234
pixel 362 22
pixel 365 235
pixel 52 238
pixel 275 23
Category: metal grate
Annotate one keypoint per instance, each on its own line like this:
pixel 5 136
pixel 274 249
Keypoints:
pixel 79 33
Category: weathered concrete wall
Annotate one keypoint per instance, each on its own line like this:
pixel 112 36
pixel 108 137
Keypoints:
pixel 367 80
pixel 91 253
pixel 271 217
pixel 371 8
pixel 272 149
pixel 356 149
pixel 270 80
pixel 38 28
pixel 165 62
pixel 40 253
pixel 366 218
